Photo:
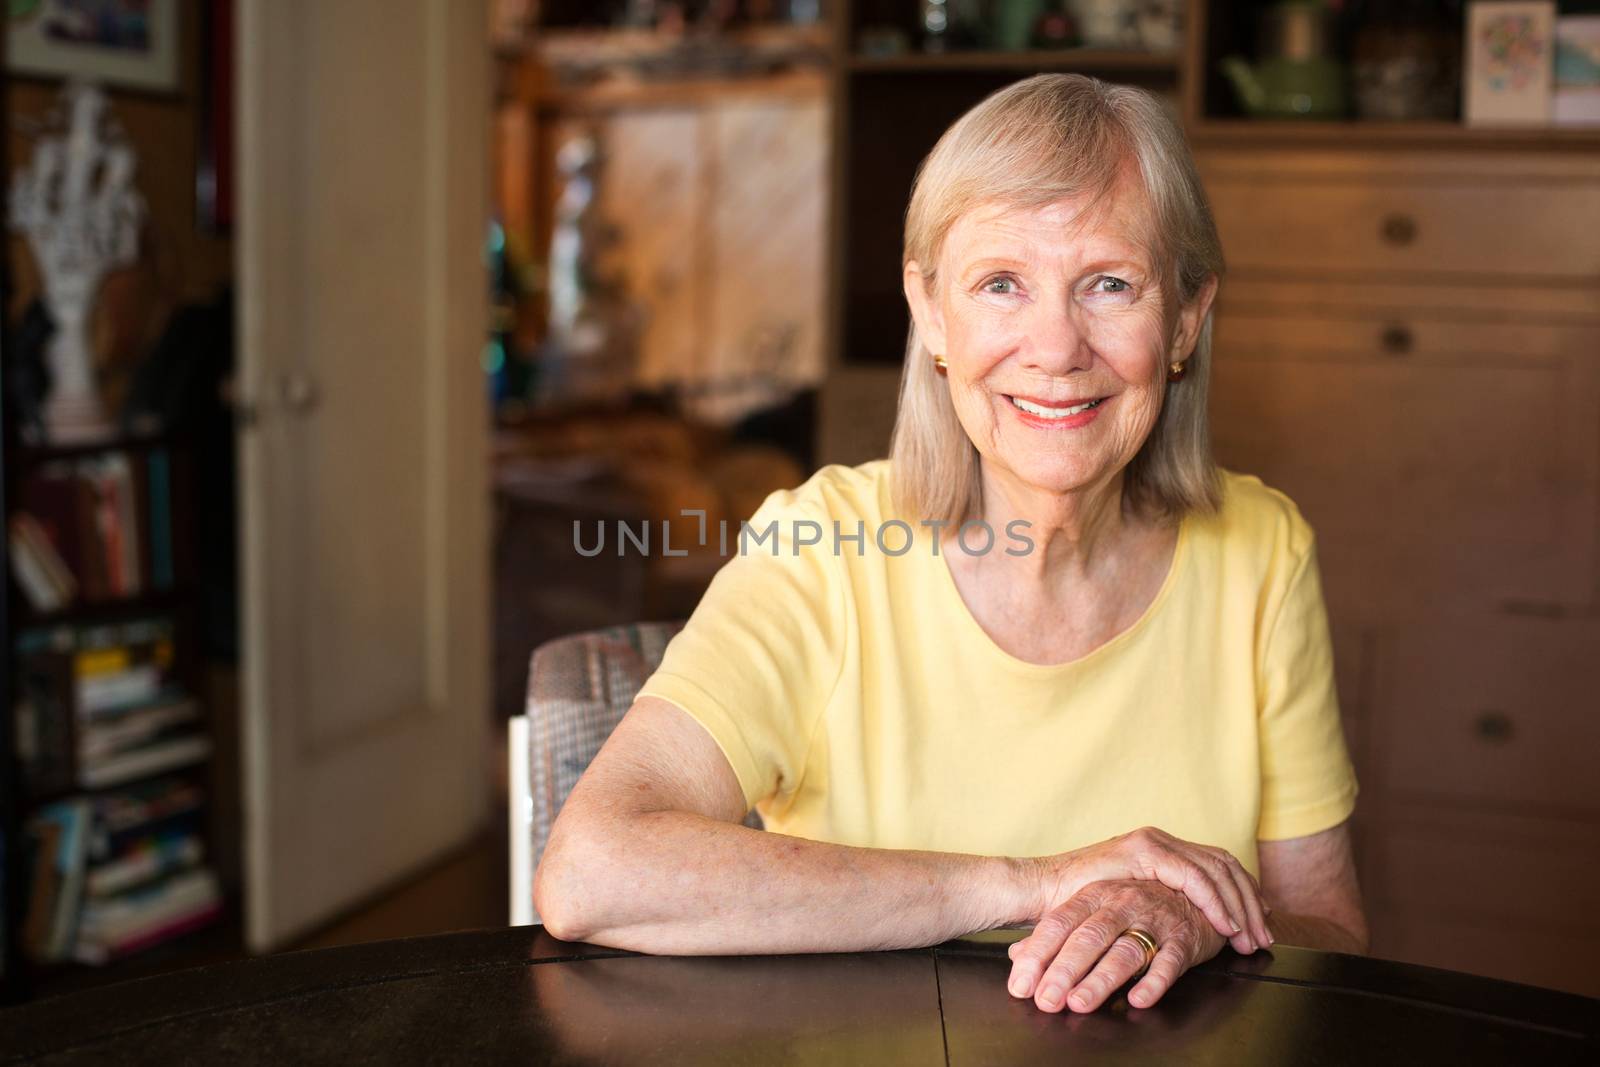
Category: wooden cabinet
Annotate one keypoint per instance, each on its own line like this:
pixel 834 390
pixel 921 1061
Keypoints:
pixel 1445 459
pixel 1408 344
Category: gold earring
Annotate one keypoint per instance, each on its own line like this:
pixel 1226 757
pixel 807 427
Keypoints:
pixel 1176 371
pixel 940 365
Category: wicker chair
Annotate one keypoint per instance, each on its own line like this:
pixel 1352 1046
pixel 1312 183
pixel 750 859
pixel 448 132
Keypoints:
pixel 579 687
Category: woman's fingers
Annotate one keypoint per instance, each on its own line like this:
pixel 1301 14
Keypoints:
pixel 1207 884
pixel 1119 963
pixel 1094 939
pixel 1165 969
pixel 1250 890
pixel 1031 955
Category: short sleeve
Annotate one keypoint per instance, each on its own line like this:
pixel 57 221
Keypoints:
pixel 758 660
pixel 1307 782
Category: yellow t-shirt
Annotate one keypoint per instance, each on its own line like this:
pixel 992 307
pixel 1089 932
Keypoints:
pixel 859 702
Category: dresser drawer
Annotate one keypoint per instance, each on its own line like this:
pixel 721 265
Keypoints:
pixel 1499 713
pixel 1495 228
pixel 1445 463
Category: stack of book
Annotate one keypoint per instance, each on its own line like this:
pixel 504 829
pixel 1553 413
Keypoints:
pixel 118 872
pixel 93 529
pixel 105 730
pixel 133 719
pixel 99 706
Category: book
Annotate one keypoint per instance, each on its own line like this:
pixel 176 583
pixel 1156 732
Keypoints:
pixel 112 927
pixel 98 694
pixel 158 473
pixel 30 570
pixel 62 831
pixel 139 807
pixel 51 496
pixel 26 535
pixel 131 728
pixel 123 665
pixel 118 472
pixel 145 761
pixel 144 861
pixel 43 716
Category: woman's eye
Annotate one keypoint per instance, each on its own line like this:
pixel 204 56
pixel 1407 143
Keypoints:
pixel 1116 285
pixel 1000 285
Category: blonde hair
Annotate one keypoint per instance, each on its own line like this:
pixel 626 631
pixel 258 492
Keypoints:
pixel 1030 144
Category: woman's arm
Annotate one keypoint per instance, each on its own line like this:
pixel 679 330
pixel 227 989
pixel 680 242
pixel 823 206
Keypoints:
pixel 648 854
pixel 1310 884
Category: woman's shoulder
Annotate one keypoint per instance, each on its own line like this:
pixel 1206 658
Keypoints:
pixel 835 492
pixel 1257 519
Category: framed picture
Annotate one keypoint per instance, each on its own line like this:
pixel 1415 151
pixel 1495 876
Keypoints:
pixel 1577 94
pixel 1509 62
pixel 131 43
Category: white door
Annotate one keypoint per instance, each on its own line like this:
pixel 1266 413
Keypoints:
pixel 362 299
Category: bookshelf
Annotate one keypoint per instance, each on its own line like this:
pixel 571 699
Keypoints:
pixel 111 772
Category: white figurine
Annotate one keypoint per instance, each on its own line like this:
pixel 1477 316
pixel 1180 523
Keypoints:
pixel 77 206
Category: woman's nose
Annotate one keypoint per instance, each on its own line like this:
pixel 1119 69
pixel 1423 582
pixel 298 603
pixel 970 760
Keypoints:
pixel 1058 340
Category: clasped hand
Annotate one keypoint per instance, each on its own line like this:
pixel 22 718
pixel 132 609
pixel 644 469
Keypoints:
pixel 1192 899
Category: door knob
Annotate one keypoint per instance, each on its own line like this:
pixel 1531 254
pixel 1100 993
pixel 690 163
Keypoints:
pixel 298 393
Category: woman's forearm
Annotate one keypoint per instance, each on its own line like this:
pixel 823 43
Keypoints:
pixel 1313 931
pixel 679 883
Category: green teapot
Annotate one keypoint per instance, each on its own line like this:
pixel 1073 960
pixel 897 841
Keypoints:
pixel 1296 78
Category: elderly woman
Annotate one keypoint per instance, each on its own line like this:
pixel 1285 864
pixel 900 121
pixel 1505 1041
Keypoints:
pixel 1045 666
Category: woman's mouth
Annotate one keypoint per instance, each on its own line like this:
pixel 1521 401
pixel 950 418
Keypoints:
pixel 1055 412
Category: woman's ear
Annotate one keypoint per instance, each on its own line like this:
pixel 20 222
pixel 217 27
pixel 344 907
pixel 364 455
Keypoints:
pixel 1190 318
pixel 925 311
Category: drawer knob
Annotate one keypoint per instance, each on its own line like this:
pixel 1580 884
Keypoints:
pixel 1399 229
pixel 1494 727
pixel 1397 340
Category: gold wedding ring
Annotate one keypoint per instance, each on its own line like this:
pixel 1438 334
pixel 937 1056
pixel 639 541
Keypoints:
pixel 1146 942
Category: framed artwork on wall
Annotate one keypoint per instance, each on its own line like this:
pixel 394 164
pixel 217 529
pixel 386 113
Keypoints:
pixel 127 43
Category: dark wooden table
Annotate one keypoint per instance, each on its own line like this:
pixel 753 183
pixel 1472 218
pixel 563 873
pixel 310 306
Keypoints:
pixel 519 995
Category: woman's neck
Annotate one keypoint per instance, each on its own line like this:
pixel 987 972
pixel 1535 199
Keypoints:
pixel 1075 535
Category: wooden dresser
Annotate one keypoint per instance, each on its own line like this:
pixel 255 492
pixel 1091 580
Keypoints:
pixel 1408 344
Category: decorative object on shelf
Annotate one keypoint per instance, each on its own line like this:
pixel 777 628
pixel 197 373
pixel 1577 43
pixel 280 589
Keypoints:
pixel 1406 60
pixel 1014 21
pixel 1055 29
pixel 1296 76
pixel 1160 25
pixel 1105 23
pixel 882 41
pixel 80 213
pixel 950 25
pixel 109 41
pixel 594 327
pixel 1575 101
pixel 1509 62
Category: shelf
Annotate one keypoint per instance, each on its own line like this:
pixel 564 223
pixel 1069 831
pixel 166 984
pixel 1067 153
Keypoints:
pixel 153 602
pixel 31 454
pixel 1086 60
pixel 623 92
pixel 1311 132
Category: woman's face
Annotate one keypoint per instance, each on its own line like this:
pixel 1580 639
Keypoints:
pixel 1057 335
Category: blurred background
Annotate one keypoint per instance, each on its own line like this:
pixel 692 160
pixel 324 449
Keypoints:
pixel 324 324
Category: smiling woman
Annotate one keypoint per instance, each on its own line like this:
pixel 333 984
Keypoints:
pixel 1119 729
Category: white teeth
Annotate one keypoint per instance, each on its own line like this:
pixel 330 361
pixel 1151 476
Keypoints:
pixel 1052 413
